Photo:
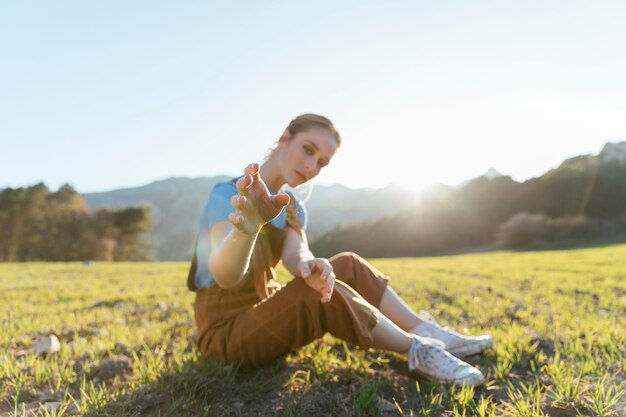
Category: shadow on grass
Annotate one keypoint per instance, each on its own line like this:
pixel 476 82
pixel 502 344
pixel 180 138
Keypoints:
pixel 200 387
pixel 325 378
pixel 298 385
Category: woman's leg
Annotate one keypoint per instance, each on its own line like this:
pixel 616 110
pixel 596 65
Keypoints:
pixel 373 286
pixel 294 317
pixel 398 311
pixel 387 336
pixel 424 357
pixel 289 319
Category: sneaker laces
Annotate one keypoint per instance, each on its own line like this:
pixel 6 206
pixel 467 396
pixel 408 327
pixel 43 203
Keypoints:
pixel 439 358
pixel 412 354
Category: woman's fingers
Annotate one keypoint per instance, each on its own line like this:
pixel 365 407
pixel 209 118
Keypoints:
pixel 324 282
pixel 280 200
pixel 244 183
pixel 323 266
pixel 327 271
pixel 305 270
pixel 253 171
pixel 327 290
pixel 328 278
pixel 235 218
pixel 238 201
pixel 250 176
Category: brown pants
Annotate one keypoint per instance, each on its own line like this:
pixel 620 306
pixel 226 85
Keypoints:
pixel 237 327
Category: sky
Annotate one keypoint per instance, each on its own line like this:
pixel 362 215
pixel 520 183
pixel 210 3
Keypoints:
pixel 107 95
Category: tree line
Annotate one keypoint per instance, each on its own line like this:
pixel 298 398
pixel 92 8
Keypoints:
pixel 37 224
pixel 581 201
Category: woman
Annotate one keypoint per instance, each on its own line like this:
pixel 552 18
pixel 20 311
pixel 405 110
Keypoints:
pixel 245 317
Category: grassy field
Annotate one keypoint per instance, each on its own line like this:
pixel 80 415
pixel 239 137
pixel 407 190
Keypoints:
pixel 127 347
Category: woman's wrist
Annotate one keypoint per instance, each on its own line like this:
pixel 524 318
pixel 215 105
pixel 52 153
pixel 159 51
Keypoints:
pixel 305 256
pixel 247 234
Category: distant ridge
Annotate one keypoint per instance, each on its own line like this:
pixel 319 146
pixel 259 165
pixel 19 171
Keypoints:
pixel 176 204
pixel 613 152
pixel 590 189
pixel 492 173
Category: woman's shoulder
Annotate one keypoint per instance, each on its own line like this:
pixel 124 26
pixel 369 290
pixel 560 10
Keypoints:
pixel 296 215
pixel 296 199
pixel 224 188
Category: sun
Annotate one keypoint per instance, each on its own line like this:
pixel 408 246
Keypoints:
pixel 415 186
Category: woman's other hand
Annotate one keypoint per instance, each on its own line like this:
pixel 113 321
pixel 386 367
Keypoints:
pixel 254 205
pixel 318 274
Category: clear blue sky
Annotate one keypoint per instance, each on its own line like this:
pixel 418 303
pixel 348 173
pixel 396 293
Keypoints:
pixel 114 94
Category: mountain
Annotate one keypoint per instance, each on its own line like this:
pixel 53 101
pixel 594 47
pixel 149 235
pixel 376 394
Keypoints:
pixel 613 152
pixel 176 204
pixel 583 187
pixel 336 205
pixel 492 173
pixel 393 221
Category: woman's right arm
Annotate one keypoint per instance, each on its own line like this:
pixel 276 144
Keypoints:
pixel 231 250
pixel 232 242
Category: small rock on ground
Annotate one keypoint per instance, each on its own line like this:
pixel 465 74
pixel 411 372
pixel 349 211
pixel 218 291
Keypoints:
pixel 48 345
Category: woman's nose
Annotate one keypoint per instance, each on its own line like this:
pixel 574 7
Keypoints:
pixel 310 164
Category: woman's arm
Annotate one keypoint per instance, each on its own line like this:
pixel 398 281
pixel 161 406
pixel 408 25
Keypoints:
pixel 298 259
pixel 232 242
pixel 295 250
pixel 231 250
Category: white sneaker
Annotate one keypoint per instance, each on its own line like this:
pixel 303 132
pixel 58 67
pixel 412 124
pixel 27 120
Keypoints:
pixel 455 343
pixel 433 362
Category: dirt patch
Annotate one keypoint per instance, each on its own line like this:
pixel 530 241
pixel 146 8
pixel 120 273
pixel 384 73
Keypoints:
pixel 111 367
pixel 560 411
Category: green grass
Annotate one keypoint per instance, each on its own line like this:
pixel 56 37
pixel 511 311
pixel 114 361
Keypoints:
pixel 558 319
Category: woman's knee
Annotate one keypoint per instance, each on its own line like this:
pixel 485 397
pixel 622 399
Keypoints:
pixel 347 265
pixel 299 291
pixel 345 257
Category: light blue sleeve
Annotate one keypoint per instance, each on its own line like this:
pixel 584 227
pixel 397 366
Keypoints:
pixel 303 216
pixel 281 220
pixel 216 209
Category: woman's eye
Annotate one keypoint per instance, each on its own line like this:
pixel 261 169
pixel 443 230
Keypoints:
pixel 307 150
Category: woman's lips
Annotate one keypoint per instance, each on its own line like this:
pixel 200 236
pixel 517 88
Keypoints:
pixel 300 176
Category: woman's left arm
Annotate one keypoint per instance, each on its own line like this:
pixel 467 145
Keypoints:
pixel 300 262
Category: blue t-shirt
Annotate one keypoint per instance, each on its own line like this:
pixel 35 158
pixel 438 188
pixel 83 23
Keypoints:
pixel 216 210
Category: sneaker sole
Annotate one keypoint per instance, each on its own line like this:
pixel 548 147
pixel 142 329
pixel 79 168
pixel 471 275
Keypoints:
pixel 474 382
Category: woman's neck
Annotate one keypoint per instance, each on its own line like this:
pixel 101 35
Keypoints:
pixel 270 174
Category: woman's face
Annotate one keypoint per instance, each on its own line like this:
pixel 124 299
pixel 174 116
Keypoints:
pixel 302 157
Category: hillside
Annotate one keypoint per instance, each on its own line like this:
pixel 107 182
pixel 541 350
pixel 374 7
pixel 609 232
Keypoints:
pixel 440 220
pixel 176 204
pixel 583 199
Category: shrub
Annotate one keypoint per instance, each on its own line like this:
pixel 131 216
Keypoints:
pixel 523 229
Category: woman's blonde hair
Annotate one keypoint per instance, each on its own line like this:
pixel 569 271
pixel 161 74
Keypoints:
pixel 306 121
pixel 303 123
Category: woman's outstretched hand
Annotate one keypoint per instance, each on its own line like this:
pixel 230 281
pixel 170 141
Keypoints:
pixel 254 205
pixel 318 274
